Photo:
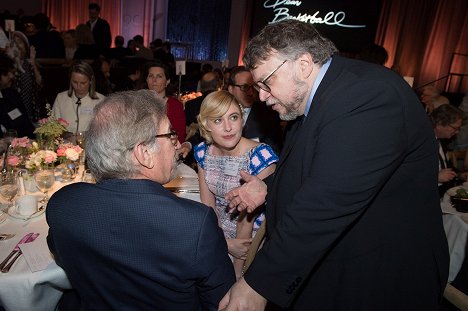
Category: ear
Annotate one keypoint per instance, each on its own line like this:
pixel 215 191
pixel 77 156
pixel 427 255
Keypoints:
pixel 142 155
pixel 306 65
pixel 230 88
pixel 168 81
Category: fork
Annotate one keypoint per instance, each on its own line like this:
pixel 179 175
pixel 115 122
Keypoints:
pixel 6 236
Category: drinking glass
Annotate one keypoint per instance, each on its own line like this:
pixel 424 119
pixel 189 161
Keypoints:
pixel 80 137
pixel 9 135
pixel 88 177
pixel 8 186
pixel 45 179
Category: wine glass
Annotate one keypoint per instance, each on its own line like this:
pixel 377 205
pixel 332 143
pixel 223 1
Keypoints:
pixel 45 179
pixel 8 186
pixel 80 137
pixel 9 135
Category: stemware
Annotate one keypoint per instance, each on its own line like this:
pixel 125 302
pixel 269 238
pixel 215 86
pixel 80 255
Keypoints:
pixel 8 186
pixel 80 137
pixel 9 135
pixel 45 179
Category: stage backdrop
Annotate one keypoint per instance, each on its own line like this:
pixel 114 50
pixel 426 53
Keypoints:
pixel 349 24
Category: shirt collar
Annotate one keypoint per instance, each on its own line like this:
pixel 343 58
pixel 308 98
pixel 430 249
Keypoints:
pixel 317 81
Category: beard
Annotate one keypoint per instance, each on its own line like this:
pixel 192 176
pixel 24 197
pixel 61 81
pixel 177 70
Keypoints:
pixel 292 107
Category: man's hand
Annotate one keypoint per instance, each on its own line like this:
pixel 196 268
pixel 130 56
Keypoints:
pixel 184 149
pixel 446 174
pixel 242 297
pixel 248 196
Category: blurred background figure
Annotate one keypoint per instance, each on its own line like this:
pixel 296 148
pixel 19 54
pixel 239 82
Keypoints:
pixel 87 48
pixel 374 53
pixel 47 41
pixel 432 99
pixel 119 51
pixel 100 29
pixel 13 114
pixel 69 39
pixel 447 121
pixel 28 80
pixel 101 68
pixel 141 49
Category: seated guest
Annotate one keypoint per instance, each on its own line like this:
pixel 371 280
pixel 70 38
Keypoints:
pixel 133 68
pixel 127 243
pixel 209 82
pixel 13 113
pixel 76 105
pixel 156 77
pixel 220 160
pixel 447 121
pixel 119 51
pixel 431 98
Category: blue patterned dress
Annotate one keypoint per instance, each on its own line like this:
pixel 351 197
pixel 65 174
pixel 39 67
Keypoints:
pixel 222 174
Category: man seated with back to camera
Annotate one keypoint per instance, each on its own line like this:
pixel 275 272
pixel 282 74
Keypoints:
pixel 127 243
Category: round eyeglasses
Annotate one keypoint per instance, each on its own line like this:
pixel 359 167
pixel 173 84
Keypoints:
pixel 263 84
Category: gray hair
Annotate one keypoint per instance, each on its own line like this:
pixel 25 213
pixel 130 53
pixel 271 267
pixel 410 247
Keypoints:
pixel 290 38
pixel 85 69
pixel 121 122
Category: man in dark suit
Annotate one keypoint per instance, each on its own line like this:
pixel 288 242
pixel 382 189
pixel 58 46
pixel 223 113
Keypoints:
pixel 100 28
pixel 353 215
pixel 261 123
pixel 127 243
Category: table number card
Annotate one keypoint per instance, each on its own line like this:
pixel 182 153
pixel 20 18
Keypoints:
pixel 37 256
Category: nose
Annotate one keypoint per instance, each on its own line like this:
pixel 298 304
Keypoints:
pixel 263 95
pixel 227 126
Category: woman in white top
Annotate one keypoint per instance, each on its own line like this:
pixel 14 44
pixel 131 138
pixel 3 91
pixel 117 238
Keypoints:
pixel 77 104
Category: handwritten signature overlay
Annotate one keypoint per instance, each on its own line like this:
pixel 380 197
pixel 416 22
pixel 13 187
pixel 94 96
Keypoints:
pixel 331 18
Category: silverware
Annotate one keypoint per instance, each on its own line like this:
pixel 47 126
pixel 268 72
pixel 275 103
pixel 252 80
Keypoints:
pixel 181 190
pixel 6 268
pixel 6 236
pixel 36 212
pixel 15 250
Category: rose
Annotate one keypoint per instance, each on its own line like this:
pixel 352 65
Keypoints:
pixel 49 156
pixel 22 142
pixel 71 154
pixel 43 121
pixel 62 121
pixel 61 152
pixel 13 160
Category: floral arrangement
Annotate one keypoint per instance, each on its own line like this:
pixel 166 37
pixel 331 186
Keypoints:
pixel 27 153
pixel 50 128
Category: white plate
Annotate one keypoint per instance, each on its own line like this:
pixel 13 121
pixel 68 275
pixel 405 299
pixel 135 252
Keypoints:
pixel 13 214
pixel 453 191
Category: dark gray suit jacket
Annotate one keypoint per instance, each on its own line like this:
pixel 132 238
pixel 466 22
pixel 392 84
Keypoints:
pixel 353 213
pixel 133 245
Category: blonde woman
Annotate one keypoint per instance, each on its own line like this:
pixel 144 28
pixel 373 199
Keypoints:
pixel 220 160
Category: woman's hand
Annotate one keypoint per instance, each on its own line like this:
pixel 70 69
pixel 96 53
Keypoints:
pixel 238 247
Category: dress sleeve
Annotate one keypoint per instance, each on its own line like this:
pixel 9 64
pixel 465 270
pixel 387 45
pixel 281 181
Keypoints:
pixel 261 157
pixel 199 153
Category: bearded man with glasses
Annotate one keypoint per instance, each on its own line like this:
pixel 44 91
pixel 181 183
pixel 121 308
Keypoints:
pixel 261 123
pixel 353 215
pixel 126 242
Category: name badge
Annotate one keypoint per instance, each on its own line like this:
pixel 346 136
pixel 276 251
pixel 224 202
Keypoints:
pixel 232 168
pixel 86 110
pixel 14 114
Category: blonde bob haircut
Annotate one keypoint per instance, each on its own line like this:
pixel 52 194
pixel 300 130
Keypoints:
pixel 214 106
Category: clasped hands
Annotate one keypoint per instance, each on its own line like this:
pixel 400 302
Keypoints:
pixel 248 196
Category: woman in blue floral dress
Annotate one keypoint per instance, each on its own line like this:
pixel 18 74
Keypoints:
pixel 220 159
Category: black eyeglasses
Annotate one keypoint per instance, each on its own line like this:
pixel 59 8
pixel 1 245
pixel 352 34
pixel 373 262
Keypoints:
pixel 171 135
pixel 262 84
pixel 244 87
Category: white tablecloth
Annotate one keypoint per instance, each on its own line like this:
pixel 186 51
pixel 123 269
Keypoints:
pixel 456 230
pixel 21 289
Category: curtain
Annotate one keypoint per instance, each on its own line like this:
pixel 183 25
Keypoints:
pixel 67 14
pixel 420 37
